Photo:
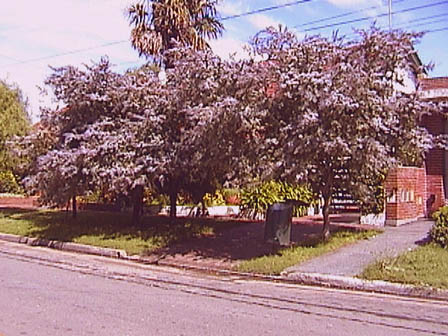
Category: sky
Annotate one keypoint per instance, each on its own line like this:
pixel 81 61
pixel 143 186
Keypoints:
pixel 38 35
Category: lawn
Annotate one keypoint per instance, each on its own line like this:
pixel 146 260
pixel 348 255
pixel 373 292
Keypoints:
pixel 284 258
pixel 114 230
pixel 105 229
pixel 425 266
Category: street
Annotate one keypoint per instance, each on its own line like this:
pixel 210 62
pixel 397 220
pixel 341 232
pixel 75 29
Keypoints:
pixel 49 292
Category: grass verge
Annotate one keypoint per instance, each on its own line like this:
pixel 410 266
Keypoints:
pixel 275 264
pixel 113 230
pixel 425 266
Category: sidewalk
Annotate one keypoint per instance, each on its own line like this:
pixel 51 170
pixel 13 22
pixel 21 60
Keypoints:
pixel 351 260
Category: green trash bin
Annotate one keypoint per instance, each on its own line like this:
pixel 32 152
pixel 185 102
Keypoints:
pixel 277 228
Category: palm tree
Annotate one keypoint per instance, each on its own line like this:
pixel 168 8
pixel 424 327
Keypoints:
pixel 159 25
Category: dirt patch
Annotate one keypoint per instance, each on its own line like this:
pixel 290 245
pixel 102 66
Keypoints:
pixel 244 241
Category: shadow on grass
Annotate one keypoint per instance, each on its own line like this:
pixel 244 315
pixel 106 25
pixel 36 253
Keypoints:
pixel 242 242
pixel 160 236
pixel 154 232
pixel 10 211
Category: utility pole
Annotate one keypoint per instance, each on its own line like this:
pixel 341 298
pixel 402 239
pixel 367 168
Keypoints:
pixel 390 14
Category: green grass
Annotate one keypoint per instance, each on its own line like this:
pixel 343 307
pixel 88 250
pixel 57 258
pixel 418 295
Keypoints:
pixel 104 229
pixel 425 266
pixel 275 264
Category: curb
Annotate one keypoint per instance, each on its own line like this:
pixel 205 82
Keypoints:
pixel 310 279
pixel 316 279
pixel 65 246
pixel 375 286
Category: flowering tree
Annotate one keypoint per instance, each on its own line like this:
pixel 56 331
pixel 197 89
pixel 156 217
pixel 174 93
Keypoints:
pixel 123 132
pixel 207 123
pixel 95 133
pixel 335 119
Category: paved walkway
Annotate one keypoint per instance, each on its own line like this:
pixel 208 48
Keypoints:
pixel 351 260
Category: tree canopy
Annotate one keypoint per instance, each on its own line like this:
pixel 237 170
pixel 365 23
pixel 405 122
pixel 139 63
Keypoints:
pixel 123 132
pixel 322 111
pixel 336 120
pixel 161 25
pixel 14 121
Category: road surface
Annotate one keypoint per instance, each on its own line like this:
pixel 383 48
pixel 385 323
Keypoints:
pixel 49 292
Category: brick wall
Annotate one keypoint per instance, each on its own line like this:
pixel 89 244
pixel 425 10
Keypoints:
pixel 416 192
pixel 406 195
pixel 19 202
pixel 435 165
pixel 421 192
pixel 435 89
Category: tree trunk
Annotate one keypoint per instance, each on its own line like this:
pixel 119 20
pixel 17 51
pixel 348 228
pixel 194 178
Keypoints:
pixel 204 208
pixel 173 200
pixel 137 201
pixel 327 195
pixel 326 213
pixel 74 207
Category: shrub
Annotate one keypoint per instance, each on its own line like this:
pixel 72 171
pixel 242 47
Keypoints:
pixel 439 231
pixel 255 200
pixel 214 199
pixel 231 196
pixel 8 183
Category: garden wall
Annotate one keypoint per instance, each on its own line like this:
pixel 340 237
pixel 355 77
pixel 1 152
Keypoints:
pixel 406 191
pixel 19 202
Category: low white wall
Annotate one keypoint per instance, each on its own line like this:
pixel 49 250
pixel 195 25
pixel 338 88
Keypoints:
pixel 220 210
pixel 373 219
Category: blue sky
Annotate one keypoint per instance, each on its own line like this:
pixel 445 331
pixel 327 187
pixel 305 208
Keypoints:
pixel 36 34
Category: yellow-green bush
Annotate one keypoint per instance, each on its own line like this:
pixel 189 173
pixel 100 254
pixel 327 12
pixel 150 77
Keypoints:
pixel 8 183
pixel 256 200
pixel 439 231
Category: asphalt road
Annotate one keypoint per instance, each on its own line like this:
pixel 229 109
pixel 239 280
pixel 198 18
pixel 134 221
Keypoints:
pixel 48 292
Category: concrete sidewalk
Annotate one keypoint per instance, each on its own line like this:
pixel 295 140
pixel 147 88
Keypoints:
pixel 351 260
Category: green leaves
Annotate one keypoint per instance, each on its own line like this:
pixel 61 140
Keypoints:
pixel 8 183
pixel 255 200
pixel 439 232
pixel 158 25
pixel 14 121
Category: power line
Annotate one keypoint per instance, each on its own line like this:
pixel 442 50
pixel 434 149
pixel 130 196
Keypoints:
pixel 426 18
pixel 376 16
pixel 261 10
pixel 65 53
pixel 436 30
pixel 266 9
pixel 409 24
pixel 8 57
pixel 329 18
pixel 421 24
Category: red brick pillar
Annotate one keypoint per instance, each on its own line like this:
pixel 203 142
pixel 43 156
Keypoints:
pixel 405 190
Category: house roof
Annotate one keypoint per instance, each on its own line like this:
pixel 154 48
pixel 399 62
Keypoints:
pixel 434 88
pixel 434 83
pixel 417 65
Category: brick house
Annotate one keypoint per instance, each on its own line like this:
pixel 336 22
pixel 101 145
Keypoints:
pixel 417 192
pixel 436 162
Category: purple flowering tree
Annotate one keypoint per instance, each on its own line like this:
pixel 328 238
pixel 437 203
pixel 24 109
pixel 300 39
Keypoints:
pixel 122 133
pixel 208 117
pixel 95 128
pixel 336 119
